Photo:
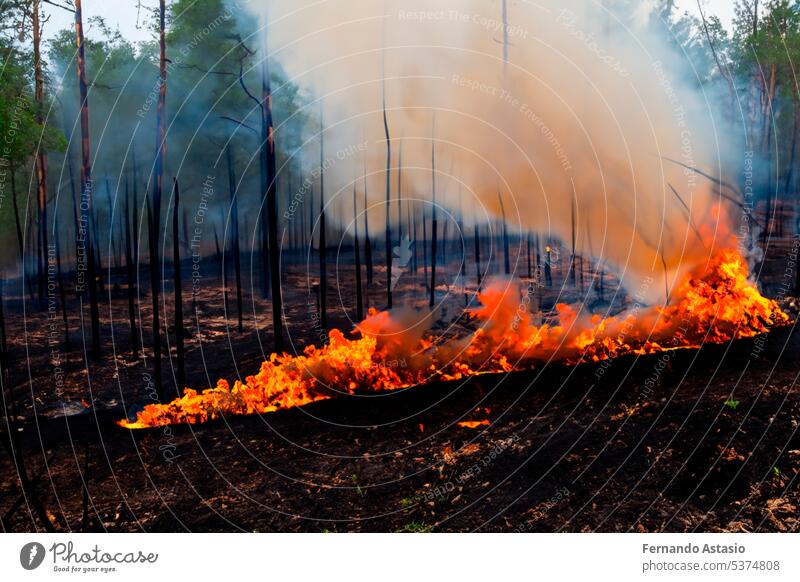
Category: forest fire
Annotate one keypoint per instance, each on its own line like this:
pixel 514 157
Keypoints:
pixel 712 304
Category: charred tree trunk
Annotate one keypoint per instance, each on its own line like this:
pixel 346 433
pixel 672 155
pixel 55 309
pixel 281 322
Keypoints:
pixel 135 217
pixel 268 134
pixel 434 225
pixel 506 246
pixel 17 223
pixel 528 256
pixel 425 248
pixel 87 185
pixel 367 241
pixel 572 255
pixel 41 155
pixel 3 335
pixel 129 268
pixel 476 231
pixel 388 200
pixel 161 153
pixel 400 195
pixel 323 260
pixel 236 251
pixel 357 250
pixel 61 291
pixel 178 289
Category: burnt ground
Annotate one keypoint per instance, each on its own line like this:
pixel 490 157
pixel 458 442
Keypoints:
pixel 687 440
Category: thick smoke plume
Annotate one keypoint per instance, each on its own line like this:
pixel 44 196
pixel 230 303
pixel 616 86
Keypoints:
pixel 578 121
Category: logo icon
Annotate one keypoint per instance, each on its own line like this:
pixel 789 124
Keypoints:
pixel 31 555
pixel 402 254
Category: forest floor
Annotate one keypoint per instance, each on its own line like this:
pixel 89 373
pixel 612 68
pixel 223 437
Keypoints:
pixel 713 446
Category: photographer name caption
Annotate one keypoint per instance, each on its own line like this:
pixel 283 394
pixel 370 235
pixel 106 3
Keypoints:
pixel 700 557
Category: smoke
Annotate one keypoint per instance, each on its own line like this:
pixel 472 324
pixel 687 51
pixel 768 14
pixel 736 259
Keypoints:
pixel 574 128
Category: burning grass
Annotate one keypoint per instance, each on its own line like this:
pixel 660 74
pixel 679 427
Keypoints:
pixel 714 303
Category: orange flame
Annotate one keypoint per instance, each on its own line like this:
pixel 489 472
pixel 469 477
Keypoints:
pixel 714 303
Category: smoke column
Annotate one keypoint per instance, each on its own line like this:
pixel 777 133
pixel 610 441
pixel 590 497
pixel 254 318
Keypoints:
pixel 585 113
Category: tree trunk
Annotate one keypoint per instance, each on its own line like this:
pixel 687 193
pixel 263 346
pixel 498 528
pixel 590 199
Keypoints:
pixel 272 209
pixel 129 268
pixel 425 248
pixel 237 263
pixel 367 241
pixel 434 224
pixel 178 289
pixel 41 155
pixel 572 257
pixel 477 235
pixel 357 250
pixel 506 246
pixel 323 260
pixel 87 187
pixel 388 201
pixel 161 153
pixel 61 291
pixel 400 195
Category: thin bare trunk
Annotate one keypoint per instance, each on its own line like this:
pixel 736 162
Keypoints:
pixel 237 262
pixel 87 187
pixel 271 193
pixel 178 290
pixel 323 261
pixel 434 225
pixel 130 270
pixel 357 251
pixel 161 154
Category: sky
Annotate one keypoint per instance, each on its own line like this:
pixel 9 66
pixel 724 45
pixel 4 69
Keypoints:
pixel 721 8
pixel 122 14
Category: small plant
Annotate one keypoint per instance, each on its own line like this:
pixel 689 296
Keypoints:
pixel 776 472
pixel 407 502
pixel 732 404
pixel 415 527
pixel 354 479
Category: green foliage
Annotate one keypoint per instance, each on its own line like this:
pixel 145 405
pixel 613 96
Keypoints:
pixel 415 527
pixel 732 404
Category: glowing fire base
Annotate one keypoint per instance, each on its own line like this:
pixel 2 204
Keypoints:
pixel 715 304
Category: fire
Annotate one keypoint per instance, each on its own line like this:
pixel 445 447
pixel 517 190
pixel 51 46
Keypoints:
pixel 714 303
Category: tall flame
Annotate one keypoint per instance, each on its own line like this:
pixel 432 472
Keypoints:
pixel 714 303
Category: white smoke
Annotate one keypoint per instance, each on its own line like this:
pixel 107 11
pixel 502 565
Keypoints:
pixel 579 120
